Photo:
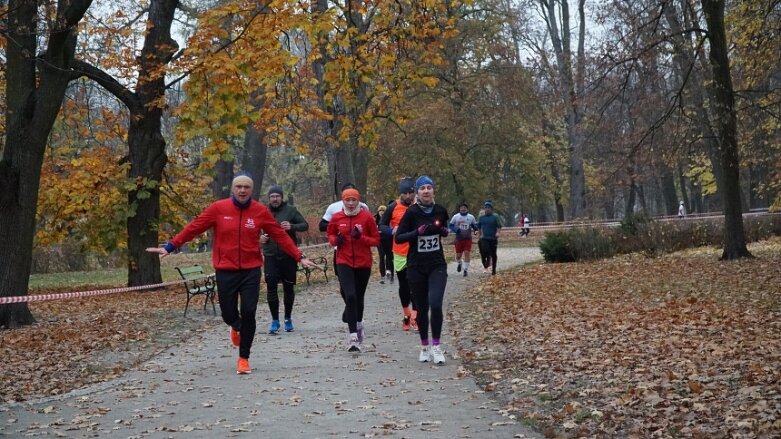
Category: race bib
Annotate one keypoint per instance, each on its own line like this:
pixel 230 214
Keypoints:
pixel 463 226
pixel 428 243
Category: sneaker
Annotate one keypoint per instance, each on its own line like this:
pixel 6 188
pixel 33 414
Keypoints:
pixel 464 273
pixel 288 325
pixel 425 354
pixel 382 279
pixel 458 269
pixel 273 328
pixel 485 271
pixel 235 337
pixel 414 320
pixel 360 332
pixel 405 323
pixel 242 367
pixel 390 277
pixel 354 345
pixel 437 355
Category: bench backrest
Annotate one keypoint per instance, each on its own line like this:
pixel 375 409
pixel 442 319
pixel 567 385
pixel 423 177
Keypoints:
pixel 190 272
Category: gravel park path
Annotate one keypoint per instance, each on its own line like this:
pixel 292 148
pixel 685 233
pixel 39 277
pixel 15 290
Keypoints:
pixel 304 383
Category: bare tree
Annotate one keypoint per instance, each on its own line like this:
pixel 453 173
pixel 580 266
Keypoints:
pixel 571 87
pixel 726 131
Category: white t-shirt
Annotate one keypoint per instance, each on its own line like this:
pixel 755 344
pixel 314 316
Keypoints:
pixel 336 206
pixel 526 222
pixel 464 224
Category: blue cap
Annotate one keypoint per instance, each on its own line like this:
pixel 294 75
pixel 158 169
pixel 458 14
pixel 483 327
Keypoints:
pixel 423 179
pixel 406 185
pixel 488 204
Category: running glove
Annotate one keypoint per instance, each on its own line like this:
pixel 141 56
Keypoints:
pixel 355 233
pixel 429 229
pixel 339 240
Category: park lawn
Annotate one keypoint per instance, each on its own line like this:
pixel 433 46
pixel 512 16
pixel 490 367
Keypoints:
pixel 112 277
pixel 681 345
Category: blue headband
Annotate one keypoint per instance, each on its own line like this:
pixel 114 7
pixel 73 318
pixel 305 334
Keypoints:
pixel 423 179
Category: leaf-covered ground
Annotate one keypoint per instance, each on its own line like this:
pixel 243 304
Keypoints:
pixel 676 346
pixel 79 342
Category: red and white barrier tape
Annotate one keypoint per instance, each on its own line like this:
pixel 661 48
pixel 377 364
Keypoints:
pixel 77 294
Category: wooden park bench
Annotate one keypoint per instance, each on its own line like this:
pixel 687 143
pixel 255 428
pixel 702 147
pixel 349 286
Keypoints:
pixel 322 261
pixel 195 284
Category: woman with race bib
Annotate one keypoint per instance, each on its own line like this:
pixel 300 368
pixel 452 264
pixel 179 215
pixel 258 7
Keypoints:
pixel 423 225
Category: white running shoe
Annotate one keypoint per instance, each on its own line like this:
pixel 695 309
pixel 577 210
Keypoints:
pixel 360 332
pixel 425 355
pixel 354 345
pixel 437 354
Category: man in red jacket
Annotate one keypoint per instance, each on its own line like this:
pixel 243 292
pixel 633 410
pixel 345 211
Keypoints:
pixel 237 223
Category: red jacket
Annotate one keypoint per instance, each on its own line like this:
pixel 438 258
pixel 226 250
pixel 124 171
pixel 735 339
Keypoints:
pixel 237 234
pixel 356 254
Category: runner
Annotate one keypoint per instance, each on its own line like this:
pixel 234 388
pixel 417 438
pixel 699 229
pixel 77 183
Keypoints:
pixel 333 208
pixel 384 250
pixel 463 224
pixel 388 225
pixel 353 233
pixel 489 225
pixel 237 223
pixel 278 265
pixel 423 226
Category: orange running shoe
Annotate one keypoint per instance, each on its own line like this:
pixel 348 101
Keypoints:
pixel 242 367
pixel 235 337
pixel 405 322
pixel 414 320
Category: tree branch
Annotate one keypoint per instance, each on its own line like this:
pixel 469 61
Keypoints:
pixel 81 68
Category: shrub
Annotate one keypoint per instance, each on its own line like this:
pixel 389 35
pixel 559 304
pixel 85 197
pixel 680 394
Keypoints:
pixel 556 247
pixel 631 223
pixel 639 233
pixel 592 243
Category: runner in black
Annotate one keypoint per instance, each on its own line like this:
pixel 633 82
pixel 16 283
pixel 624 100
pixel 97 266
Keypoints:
pixel 423 225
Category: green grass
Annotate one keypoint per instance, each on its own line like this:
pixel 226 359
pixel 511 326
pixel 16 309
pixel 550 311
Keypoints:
pixel 111 277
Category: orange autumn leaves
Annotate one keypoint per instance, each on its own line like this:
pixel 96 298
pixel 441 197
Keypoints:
pixel 631 346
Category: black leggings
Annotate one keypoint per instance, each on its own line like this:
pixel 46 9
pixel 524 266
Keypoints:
pixel 428 288
pixel 280 270
pixel 353 282
pixel 405 296
pixel 488 252
pixel 385 251
pixel 233 286
pixel 272 296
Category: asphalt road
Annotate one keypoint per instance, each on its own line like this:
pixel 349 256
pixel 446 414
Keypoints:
pixel 304 383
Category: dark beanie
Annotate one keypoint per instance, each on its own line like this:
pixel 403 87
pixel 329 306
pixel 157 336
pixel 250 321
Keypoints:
pixel 275 189
pixel 406 185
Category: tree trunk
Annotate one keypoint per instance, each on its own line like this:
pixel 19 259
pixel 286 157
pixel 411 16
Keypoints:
pixel 255 151
pixel 667 184
pixel 254 160
pixel 631 198
pixel 223 177
pixel 35 88
pixel 687 202
pixel 571 85
pixel 693 81
pixel 147 145
pixel 726 128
